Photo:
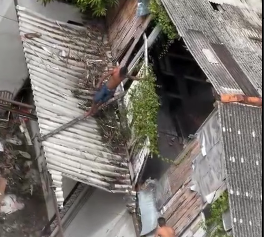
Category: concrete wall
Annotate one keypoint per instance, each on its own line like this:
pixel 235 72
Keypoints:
pixel 54 10
pixel 104 214
pixel 68 184
pixel 13 70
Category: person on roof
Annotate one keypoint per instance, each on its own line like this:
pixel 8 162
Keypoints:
pixel 107 90
pixel 163 230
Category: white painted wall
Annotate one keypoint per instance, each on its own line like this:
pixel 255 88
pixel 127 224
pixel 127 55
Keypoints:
pixel 13 70
pixel 104 214
pixel 54 10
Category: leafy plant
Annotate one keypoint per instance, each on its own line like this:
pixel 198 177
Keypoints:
pixel 162 18
pixel 214 224
pixel 98 7
pixel 144 109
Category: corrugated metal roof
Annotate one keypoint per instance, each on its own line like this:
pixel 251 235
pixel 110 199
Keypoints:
pixel 241 127
pixel 239 29
pixel 184 204
pixel 208 167
pixel 59 61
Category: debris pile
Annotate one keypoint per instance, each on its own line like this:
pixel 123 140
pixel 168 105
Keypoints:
pixel 22 205
pixel 113 132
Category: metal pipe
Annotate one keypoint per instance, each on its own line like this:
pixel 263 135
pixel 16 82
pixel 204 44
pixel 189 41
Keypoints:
pixel 17 103
pixel 21 113
pixel 146 53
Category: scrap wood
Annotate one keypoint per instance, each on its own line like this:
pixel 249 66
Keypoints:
pixel 24 130
pixel 3 183
pixel 30 36
pixel 74 121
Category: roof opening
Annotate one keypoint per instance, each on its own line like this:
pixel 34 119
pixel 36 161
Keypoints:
pixel 75 23
pixel 186 101
pixel 215 6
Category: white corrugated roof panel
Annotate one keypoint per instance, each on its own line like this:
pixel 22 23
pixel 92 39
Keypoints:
pixel 57 61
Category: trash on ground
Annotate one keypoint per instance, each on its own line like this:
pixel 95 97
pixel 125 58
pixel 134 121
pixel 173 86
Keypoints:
pixel 23 153
pixel 24 130
pixel 10 204
pixel 3 183
pixel 14 140
pixel 1 147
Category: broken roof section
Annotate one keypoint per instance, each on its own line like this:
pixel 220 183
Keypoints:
pixel 61 59
pixel 225 40
pixel 241 134
pixel 209 166
pixel 185 204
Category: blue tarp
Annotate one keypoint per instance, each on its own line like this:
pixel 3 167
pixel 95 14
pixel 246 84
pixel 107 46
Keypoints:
pixel 143 8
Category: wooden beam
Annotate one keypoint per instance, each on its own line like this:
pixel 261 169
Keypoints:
pixel 186 77
pixel 172 55
pixel 17 103
pixel 21 113
pixel 174 95
pixel 196 79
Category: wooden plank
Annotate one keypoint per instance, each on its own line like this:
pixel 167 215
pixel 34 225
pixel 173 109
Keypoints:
pixel 181 206
pixel 137 36
pixel 180 173
pixel 3 183
pixel 189 217
pixel 123 26
pixel 113 12
pixel 234 69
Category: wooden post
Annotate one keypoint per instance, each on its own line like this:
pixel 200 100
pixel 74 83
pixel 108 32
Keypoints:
pixel 17 103
pixel 57 212
pixel 3 183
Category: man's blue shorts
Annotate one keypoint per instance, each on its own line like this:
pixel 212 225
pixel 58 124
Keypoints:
pixel 103 95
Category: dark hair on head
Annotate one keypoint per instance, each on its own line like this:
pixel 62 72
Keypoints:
pixel 123 71
pixel 161 221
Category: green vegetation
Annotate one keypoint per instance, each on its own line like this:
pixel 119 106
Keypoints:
pixel 98 7
pixel 144 109
pixel 214 225
pixel 162 18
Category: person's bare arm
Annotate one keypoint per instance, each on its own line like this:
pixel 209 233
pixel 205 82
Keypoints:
pixel 157 233
pixel 133 78
pixel 103 77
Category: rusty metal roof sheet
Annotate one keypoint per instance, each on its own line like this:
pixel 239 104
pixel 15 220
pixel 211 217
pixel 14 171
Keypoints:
pixel 57 61
pixel 241 127
pixel 184 204
pixel 239 29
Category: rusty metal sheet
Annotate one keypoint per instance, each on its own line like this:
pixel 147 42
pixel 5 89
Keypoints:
pixel 233 68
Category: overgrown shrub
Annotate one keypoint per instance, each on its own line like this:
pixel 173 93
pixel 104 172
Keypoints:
pixel 162 18
pixel 144 109
pixel 98 7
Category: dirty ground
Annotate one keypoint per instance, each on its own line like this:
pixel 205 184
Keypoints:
pixel 18 167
